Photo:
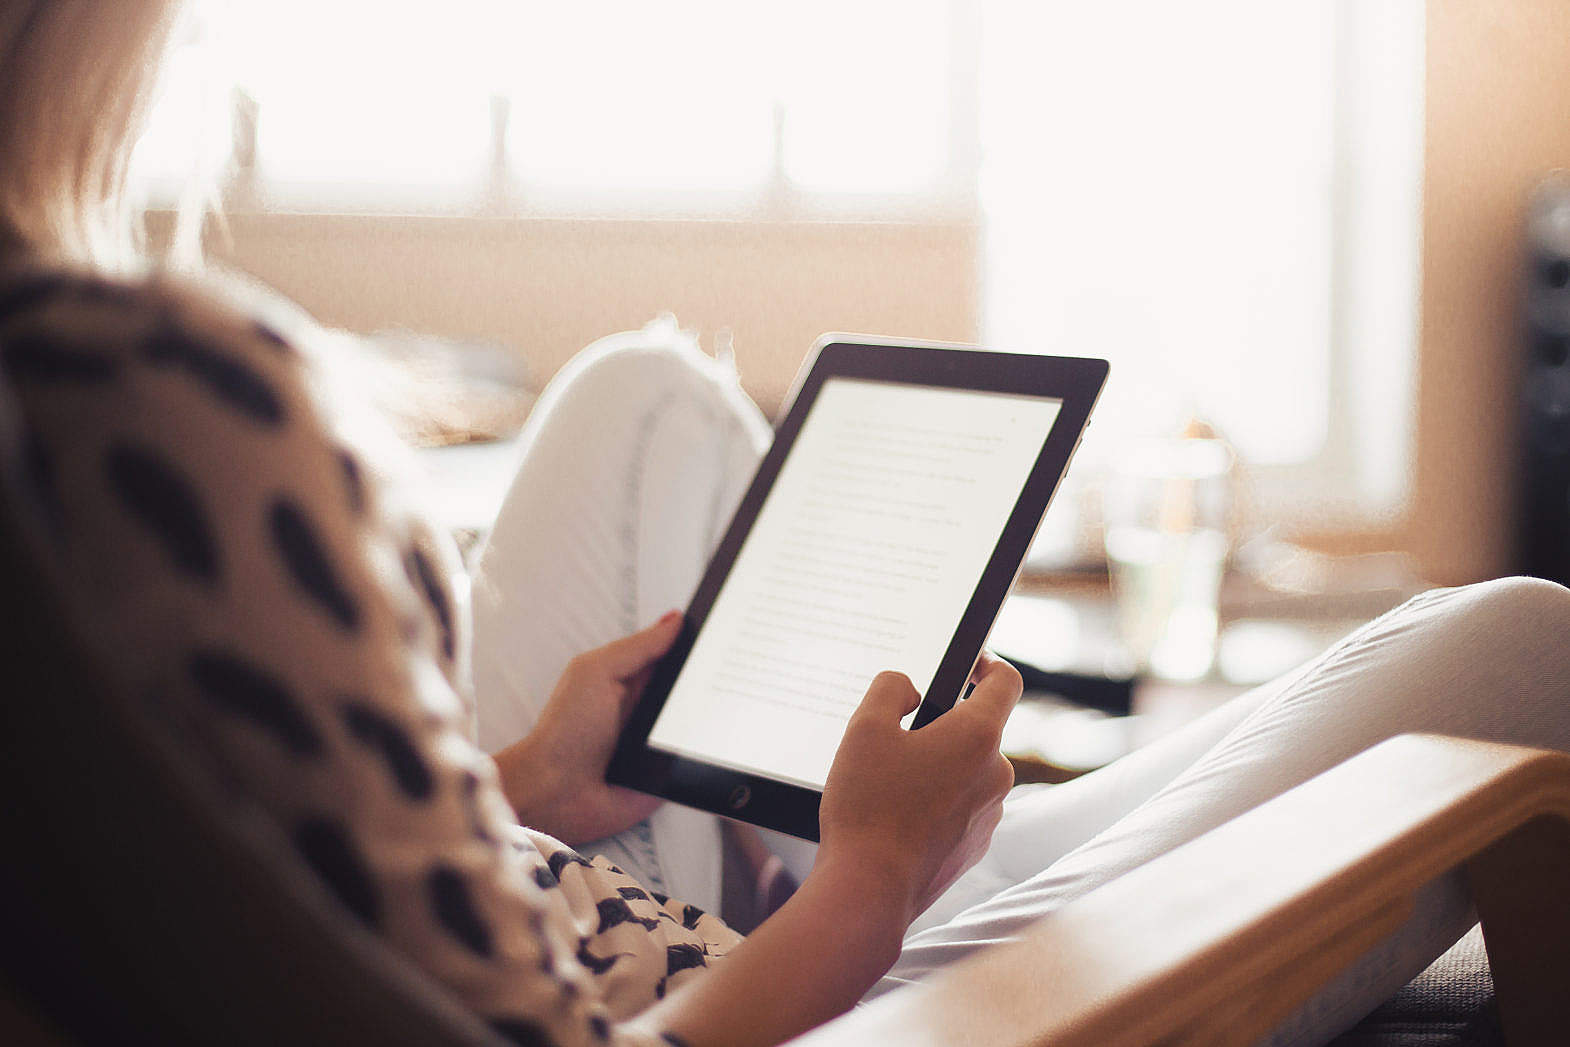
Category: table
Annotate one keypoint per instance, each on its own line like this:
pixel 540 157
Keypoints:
pixel 1068 622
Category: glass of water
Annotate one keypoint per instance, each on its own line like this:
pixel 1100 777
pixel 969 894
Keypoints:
pixel 1167 509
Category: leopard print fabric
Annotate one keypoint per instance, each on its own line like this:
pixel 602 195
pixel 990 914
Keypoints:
pixel 240 553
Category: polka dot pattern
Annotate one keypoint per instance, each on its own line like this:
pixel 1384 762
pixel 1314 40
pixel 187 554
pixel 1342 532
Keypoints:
pixel 272 339
pixel 469 793
pixel 231 381
pixel 424 577
pixel 353 480
pixel 322 689
pixel 328 850
pixel 159 497
pixel 307 563
pixel 683 957
pixel 559 860
pixel 40 359
pixel 522 1032
pixel 31 293
pixel 615 911
pixel 595 964
pixel 392 743
pixel 244 690
pixel 455 910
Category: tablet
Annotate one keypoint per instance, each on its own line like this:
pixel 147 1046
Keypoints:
pixel 883 530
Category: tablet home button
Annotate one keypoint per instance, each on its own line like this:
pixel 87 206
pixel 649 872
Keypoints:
pixel 740 797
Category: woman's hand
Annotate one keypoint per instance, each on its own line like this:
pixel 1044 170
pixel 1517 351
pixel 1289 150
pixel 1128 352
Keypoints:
pixel 904 813
pixel 920 806
pixel 555 777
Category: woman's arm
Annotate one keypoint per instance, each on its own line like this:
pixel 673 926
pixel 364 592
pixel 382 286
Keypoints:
pixel 806 964
pixel 904 813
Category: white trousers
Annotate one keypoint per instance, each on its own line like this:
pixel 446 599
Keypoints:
pixel 632 463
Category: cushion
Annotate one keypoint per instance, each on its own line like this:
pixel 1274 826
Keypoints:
pixel 1449 1005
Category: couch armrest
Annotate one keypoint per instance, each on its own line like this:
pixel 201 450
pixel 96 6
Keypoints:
pixel 1218 940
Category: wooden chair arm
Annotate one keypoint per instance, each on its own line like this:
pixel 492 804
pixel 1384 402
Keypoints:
pixel 1217 941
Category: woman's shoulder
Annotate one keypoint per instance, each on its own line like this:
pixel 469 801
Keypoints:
pixel 79 325
pixel 216 411
pixel 92 363
pixel 210 357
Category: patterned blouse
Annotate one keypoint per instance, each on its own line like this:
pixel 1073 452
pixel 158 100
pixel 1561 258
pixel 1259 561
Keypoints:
pixel 237 550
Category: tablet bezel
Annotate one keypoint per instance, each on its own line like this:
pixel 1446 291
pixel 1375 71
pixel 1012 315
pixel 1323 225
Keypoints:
pixel 790 808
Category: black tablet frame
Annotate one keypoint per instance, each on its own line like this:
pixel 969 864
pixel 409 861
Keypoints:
pixel 791 808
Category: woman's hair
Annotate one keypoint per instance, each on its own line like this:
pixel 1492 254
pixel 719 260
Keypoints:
pixel 76 80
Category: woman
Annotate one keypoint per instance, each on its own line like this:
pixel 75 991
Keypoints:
pixel 230 545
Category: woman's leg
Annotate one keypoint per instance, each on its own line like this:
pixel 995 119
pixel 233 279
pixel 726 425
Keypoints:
pixel 632 462
pixel 1489 661
pixel 1042 823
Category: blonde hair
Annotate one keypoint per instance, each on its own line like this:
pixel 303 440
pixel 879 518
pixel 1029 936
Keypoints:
pixel 76 80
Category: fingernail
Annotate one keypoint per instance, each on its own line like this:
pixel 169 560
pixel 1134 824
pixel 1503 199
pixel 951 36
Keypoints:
pixel 669 616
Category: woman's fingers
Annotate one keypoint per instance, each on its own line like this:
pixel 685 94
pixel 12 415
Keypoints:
pixel 632 654
pixel 890 697
pixel 998 687
pixel 984 661
pixel 997 683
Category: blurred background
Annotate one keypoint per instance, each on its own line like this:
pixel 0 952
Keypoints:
pixel 1297 229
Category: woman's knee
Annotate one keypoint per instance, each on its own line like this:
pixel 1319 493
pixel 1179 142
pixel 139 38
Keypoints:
pixel 1447 658
pixel 1490 659
pixel 1512 607
pixel 658 367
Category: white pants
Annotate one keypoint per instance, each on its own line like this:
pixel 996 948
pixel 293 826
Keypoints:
pixel 633 462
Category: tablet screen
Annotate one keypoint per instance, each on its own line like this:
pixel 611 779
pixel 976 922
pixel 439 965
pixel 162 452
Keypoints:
pixel 863 558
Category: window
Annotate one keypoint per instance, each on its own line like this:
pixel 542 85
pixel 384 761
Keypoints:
pixel 700 105
pixel 1223 199
pixel 1220 197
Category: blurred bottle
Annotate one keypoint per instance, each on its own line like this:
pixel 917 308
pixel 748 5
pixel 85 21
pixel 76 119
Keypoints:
pixel 1168 512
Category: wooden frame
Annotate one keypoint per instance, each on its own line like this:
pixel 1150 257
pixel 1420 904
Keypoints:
pixel 1218 940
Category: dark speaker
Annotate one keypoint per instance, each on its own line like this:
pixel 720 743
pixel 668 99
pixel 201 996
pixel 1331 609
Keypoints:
pixel 1544 535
